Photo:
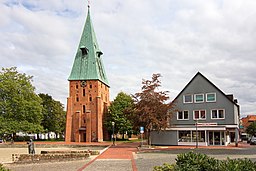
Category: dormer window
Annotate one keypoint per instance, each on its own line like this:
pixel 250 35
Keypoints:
pixel 99 53
pixel 84 50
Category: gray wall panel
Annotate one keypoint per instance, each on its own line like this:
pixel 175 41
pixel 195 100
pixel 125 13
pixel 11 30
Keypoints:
pixel 164 138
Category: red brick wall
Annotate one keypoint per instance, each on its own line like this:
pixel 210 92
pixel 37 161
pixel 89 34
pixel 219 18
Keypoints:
pixel 93 96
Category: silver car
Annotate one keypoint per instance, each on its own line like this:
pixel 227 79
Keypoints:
pixel 253 141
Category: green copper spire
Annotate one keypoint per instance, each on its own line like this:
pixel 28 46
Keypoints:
pixel 88 64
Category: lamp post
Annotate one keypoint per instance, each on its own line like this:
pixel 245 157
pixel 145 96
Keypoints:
pixel 196 134
pixel 113 130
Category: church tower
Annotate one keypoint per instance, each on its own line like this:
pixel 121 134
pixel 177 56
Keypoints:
pixel 88 90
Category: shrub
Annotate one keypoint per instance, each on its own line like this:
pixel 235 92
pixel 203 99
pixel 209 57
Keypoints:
pixel 237 165
pixel 196 162
pixel 21 138
pixel 200 162
pixel 2 168
pixel 165 167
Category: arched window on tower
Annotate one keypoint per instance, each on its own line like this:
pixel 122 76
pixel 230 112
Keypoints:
pixel 83 92
pixel 83 108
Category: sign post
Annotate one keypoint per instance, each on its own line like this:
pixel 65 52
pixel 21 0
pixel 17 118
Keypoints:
pixel 141 134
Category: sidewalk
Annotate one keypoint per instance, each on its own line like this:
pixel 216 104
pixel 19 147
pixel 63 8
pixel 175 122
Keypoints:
pixel 119 158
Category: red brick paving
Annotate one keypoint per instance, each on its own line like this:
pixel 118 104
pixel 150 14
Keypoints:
pixel 120 151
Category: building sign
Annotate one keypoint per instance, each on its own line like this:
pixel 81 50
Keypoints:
pixel 206 124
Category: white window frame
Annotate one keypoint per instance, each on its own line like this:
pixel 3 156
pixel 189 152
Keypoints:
pixel 200 117
pixel 224 113
pixel 198 95
pixel 182 115
pixel 207 98
pixel 185 98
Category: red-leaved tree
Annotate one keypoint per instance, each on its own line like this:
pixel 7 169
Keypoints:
pixel 151 108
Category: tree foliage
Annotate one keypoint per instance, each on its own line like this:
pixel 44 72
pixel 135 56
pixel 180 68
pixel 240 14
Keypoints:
pixel 54 116
pixel 117 113
pixel 20 106
pixel 251 129
pixel 151 108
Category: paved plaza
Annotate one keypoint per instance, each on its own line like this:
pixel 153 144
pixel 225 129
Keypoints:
pixel 127 157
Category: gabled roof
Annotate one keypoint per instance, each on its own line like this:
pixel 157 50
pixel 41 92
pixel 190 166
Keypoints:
pixel 250 118
pixel 199 74
pixel 88 64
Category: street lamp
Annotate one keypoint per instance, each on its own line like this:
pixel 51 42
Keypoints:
pixel 113 130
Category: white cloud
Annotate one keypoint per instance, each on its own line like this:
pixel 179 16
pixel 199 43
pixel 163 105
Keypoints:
pixel 138 38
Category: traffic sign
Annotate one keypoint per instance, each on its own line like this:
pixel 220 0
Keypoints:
pixel 141 129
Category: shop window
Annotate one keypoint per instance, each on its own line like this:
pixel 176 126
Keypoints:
pixel 190 136
pixel 184 136
pixel 200 136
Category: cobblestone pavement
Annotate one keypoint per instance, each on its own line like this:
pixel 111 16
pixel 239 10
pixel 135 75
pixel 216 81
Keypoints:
pixel 53 166
pixel 125 157
pixel 147 160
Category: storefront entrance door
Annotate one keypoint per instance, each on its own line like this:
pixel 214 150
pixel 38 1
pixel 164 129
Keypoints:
pixel 216 138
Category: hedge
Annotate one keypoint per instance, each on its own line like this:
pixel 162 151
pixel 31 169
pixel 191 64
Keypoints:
pixel 201 162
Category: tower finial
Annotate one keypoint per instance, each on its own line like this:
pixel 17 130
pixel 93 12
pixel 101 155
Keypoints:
pixel 88 3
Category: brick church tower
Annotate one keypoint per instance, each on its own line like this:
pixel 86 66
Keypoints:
pixel 88 90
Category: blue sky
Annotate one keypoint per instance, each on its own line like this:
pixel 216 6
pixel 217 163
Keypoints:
pixel 176 38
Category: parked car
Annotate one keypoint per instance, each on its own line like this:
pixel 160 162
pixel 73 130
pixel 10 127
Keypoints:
pixel 253 141
pixel 1 140
pixel 249 140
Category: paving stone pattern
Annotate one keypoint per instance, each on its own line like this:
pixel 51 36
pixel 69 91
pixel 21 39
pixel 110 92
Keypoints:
pixel 125 157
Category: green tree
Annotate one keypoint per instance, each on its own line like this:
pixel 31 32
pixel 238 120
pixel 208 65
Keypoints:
pixel 117 114
pixel 54 116
pixel 251 129
pixel 151 108
pixel 20 106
